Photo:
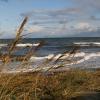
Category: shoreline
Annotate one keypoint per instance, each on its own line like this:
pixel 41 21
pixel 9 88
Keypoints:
pixel 45 70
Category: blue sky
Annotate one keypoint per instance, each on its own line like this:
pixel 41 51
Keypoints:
pixel 51 18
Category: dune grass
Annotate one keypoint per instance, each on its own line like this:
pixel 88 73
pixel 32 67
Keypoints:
pixel 44 86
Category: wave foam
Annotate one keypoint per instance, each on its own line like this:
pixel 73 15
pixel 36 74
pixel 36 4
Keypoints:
pixel 87 43
pixel 88 56
pixel 84 57
pixel 27 44
pixel 3 45
pixel 21 45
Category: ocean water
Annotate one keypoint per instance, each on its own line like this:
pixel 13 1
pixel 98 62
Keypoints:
pixel 86 57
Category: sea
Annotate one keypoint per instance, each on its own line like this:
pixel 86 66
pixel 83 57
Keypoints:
pixel 87 56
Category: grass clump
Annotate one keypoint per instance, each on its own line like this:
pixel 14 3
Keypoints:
pixel 38 86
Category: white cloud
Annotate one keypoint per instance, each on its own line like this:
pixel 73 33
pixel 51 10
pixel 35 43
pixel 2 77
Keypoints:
pixel 83 26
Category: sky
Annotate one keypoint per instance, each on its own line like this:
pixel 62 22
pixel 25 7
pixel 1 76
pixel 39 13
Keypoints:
pixel 50 18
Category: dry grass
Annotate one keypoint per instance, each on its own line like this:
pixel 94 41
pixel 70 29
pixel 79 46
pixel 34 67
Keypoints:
pixel 7 57
pixel 32 51
pixel 43 86
pixel 71 53
pixel 18 35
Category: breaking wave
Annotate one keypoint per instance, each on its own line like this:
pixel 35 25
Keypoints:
pixel 21 45
pixel 84 57
pixel 87 44
pixel 38 61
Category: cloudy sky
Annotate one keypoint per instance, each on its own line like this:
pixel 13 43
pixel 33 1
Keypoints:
pixel 51 18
